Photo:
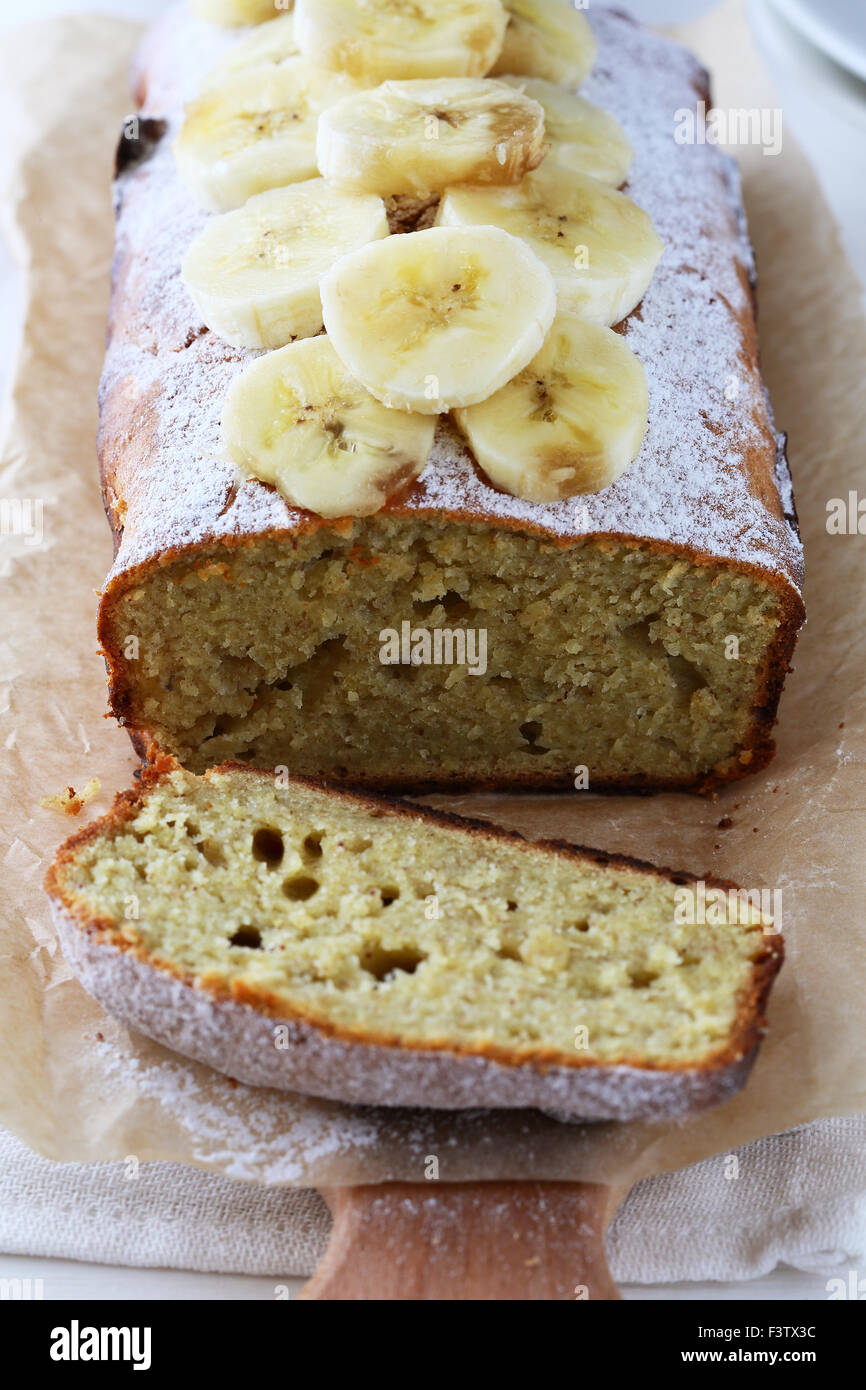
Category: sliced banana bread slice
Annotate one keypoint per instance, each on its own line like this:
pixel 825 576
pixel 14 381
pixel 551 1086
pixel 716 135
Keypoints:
pixel 372 951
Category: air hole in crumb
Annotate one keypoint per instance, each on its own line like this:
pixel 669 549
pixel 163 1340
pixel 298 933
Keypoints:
pixel 508 951
pixel 641 978
pixel 312 846
pixel 686 676
pixel 531 731
pixel 582 926
pixel 268 847
pixel 381 963
pixel 192 830
pixel 213 852
pixel 389 895
pixel 511 905
pixel 250 937
pixel 423 890
pixel 300 888
pixel 357 844
pixel 453 603
pixel 639 634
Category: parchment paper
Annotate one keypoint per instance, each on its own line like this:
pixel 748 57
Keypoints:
pixel 74 1084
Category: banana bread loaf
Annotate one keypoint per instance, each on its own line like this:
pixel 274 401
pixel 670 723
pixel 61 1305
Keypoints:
pixel 317 940
pixel 642 632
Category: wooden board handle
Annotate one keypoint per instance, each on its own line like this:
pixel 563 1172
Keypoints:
pixel 402 1242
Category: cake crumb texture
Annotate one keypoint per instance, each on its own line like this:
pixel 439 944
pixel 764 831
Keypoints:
pixel 396 926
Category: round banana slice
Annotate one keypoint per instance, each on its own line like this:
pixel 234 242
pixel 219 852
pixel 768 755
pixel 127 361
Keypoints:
pixel 230 14
pixel 377 39
pixel 256 130
pixel 297 419
pixel 547 38
pixel 571 422
pixel 417 137
pixel 439 318
pixel 267 46
pixel 580 136
pixel 600 247
pixel 254 273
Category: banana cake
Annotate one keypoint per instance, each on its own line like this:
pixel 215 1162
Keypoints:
pixel 310 939
pixel 638 620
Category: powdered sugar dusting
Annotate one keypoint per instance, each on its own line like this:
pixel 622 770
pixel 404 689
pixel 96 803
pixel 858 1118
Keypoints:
pixel 238 1040
pixel 269 1140
pixel 704 479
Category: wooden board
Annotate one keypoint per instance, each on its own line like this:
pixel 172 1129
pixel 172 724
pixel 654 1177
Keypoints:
pixel 467 1241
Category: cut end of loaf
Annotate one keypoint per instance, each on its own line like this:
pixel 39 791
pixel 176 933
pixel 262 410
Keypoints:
pixel 391 928
pixel 604 654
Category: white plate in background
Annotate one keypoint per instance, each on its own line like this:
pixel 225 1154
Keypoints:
pixel 811 81
pixel 824 110
pixel 837 27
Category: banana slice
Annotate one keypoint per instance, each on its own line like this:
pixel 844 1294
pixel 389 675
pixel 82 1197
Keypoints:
pixel 373 40
pixel 417 137
pixel 600 247
pixel 571 422
pixel 580 135
pixel 440 318
pixel 254 273
pixel 230 14
pixel 267 46
pixel 547 38
pixel 297 419
pixel 256 130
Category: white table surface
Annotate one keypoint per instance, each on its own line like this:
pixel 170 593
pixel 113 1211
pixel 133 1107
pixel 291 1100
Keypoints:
pixel 68 1279
pixel 826 111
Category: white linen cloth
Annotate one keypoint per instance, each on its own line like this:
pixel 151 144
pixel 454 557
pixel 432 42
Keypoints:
pixel 799 1199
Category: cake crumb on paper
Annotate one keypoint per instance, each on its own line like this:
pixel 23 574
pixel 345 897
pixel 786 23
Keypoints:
pixel 69 800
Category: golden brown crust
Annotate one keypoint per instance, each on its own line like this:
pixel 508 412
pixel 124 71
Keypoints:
pixel 748 1028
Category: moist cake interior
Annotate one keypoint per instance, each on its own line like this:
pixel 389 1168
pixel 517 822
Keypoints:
pixel 406 930
pixel 608 656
